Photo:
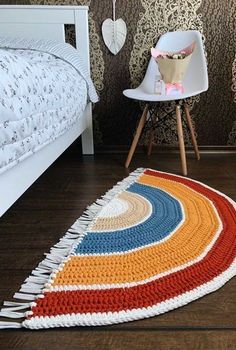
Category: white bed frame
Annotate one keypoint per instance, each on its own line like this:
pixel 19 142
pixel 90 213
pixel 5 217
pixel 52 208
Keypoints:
pixel 45 22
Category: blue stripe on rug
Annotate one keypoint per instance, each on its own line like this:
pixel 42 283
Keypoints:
pixel 166 215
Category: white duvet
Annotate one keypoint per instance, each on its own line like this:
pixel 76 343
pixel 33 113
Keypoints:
pixel 41 97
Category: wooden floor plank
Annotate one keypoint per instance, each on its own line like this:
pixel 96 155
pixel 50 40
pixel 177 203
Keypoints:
pixel 119 340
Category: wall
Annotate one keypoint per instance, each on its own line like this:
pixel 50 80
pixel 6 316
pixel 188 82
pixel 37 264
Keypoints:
pixel 115 116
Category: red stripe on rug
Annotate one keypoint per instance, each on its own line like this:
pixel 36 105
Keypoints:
pixel 212 265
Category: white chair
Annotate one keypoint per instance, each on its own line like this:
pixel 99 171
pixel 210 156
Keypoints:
pixel 195 82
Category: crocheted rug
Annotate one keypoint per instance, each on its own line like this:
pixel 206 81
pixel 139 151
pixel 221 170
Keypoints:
pixel 153 243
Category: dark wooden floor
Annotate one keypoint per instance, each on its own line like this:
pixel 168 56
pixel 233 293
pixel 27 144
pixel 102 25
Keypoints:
pixel 43 214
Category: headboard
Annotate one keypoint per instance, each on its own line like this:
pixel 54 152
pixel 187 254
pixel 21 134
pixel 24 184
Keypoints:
pixel 46 22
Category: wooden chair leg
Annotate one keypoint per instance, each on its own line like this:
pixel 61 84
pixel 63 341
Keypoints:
pixel 137 136
pixel 151 137
pixel 150 143
pixel 181 140
pixel 190 125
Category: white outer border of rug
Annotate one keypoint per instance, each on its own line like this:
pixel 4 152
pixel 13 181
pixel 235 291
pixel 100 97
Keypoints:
pixel 34 285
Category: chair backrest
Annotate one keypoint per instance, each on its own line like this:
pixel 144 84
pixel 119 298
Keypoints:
pixel 196 77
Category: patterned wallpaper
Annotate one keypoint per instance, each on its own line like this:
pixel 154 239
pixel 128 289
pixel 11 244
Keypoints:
pixel 115 117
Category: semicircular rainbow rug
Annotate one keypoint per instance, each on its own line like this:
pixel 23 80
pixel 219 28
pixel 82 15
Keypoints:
pixel 153 243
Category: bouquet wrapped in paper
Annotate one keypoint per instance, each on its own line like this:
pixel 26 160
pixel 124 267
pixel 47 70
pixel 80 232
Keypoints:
pixel 173 66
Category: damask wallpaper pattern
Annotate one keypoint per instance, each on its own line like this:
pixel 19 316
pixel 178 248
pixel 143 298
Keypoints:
pixel 232 135
pixel 217 111
pixel 115 116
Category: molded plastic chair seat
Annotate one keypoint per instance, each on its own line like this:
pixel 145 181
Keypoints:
pixel 143 95
pixel 195 80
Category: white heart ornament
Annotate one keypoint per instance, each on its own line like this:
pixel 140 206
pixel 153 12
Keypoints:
pixel 114 34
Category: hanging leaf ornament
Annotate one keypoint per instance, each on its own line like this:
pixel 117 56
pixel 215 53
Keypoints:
pixel 114 32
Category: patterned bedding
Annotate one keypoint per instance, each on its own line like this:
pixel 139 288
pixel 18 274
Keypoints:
pixel 41 96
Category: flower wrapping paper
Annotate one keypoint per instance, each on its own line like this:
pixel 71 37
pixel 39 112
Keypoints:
pixel 173 66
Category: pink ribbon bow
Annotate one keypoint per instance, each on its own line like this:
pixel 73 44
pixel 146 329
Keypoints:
pixel 176 86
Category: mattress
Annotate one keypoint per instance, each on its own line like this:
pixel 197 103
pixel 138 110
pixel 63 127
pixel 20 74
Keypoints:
pixel 42 95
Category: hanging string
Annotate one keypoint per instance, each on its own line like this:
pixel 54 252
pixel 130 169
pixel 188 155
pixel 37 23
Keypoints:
pixel 114 10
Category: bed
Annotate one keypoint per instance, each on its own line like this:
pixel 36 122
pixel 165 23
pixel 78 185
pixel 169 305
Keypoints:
pixel 46 93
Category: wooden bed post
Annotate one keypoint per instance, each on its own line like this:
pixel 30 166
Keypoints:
pixel 87 135
pixel 82 31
